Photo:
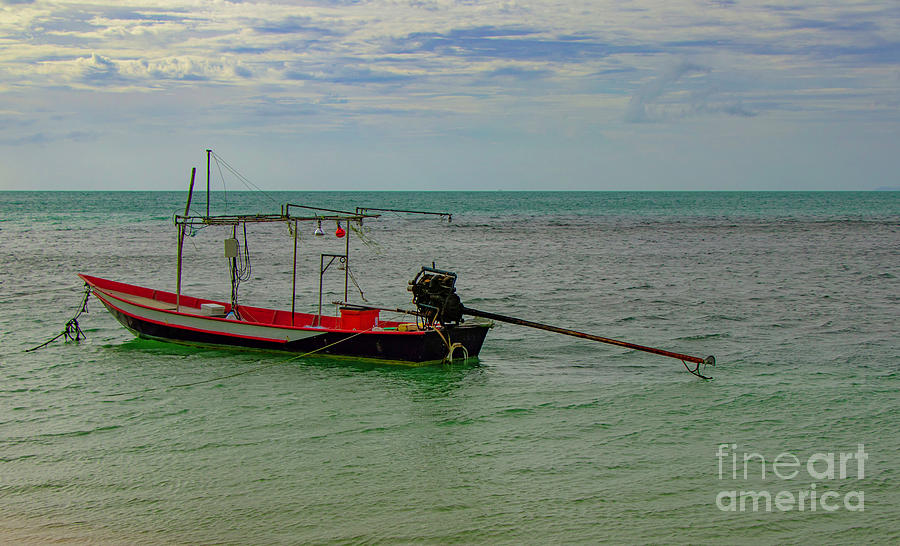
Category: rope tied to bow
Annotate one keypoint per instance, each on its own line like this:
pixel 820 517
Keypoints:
pixel 72 330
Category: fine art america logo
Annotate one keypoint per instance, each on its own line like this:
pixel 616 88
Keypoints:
pixel 824 469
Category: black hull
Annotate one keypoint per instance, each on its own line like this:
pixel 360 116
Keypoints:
pixel 410 349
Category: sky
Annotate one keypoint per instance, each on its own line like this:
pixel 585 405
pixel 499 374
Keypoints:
pixel 451 94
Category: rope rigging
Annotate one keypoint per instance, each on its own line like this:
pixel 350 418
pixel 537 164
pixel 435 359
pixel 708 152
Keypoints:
pixel 240 269
pixel 355 283
pixel 72 330
pixel 246 181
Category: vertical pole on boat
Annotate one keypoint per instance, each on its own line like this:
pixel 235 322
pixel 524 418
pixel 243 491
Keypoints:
pixel 347 260
pixel 294 282
pixel 178 276
pixel 187 210
pixel 321 274
pixel 208 153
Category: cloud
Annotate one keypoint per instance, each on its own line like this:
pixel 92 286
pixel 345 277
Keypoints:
pixel 521 44
pixel 292 25
pixel 738 109
pixel 98 68
pixel 669 95
pixel 640 105
pixel 242 72
pixel 346 72
pixel 43 138
pixel 518 73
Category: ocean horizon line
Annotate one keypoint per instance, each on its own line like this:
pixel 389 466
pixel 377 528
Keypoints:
pixel 873 190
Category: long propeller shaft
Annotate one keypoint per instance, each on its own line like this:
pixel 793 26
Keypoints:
pixel 710 360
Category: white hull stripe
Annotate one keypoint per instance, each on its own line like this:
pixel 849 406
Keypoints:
pixel 212 325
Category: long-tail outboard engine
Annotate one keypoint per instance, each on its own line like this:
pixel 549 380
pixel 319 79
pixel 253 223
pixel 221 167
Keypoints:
pixel 434 293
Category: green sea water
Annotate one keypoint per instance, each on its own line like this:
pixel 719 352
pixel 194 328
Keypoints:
pixel 545 439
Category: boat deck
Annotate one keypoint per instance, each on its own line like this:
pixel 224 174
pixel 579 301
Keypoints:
pixel 165 301
pixel 149 302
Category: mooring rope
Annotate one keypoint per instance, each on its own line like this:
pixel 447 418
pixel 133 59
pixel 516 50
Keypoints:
pixel 245 372
pixel 72 331
pixel 451 348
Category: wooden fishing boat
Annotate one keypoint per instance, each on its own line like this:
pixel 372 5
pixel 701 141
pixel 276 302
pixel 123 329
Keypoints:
pixel 357 332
